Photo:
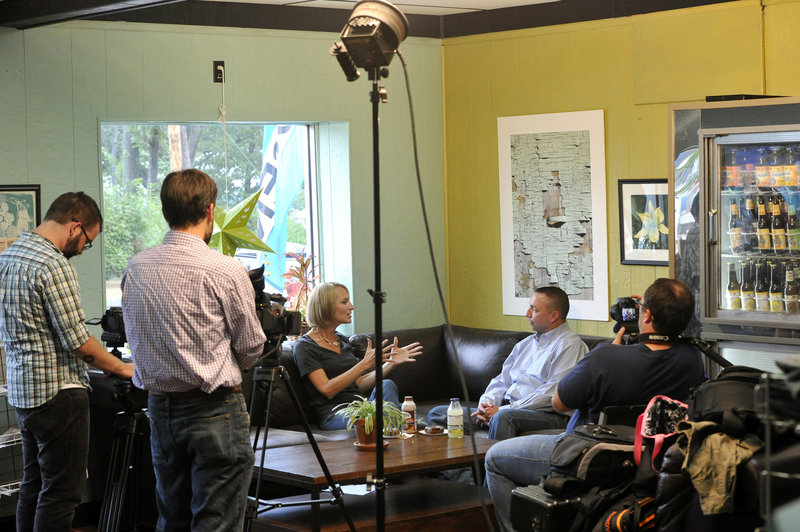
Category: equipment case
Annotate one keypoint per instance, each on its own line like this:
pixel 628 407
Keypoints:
pixel 532 508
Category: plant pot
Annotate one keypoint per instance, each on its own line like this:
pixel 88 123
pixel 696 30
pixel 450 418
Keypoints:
pixel 362 436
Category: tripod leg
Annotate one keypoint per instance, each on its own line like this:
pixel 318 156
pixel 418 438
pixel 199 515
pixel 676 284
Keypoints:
pixel 335 489
pixel 125 427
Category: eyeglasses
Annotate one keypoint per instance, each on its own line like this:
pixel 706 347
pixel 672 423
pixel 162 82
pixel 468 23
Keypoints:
pixel 88 244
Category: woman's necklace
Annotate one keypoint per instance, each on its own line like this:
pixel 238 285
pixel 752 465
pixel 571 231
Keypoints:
pixel 332 343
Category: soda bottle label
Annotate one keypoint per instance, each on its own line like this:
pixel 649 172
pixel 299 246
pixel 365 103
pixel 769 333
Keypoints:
pixel 790 175
pixel 793 239
pixel 748 300
pixel 762 302
pixel 776 303
pixel 734 300
pixel 791 304
pixel 778 239
pixel 761 176
pixel 764 240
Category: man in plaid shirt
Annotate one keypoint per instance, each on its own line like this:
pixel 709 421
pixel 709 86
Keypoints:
pixel 47 349
pixel 191 324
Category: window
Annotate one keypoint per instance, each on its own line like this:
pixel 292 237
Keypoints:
pixel 242 159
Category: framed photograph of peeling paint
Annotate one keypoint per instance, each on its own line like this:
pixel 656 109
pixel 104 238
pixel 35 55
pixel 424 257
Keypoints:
pixel 643 223
pixel 553 210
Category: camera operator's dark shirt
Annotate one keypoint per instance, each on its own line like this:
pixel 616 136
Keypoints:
pixel 628 375
pixel 310 356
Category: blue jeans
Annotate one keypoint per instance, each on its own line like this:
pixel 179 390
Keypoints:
pixel 516 462
pixel 203 461
pixel 55 446
pixel 511 422
pixel 390 394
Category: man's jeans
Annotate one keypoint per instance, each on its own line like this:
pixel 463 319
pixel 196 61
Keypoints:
pixel 516 462
pixel 203 461
pixel 390 395
pixel 55 446
pixel 506 423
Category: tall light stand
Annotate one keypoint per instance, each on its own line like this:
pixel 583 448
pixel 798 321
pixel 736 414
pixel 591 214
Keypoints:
pixel 378 95
pixel 369 41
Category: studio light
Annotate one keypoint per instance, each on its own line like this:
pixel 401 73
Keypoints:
pixel 370 37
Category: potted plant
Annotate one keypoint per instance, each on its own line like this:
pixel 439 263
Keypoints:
pixel 302 274
pixel 360 413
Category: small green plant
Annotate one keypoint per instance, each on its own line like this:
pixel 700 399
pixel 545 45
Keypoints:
pixel 363 408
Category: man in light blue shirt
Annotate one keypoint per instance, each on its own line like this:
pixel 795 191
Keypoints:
pixel 519 399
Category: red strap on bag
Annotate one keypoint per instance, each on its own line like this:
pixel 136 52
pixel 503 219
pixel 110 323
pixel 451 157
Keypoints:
pixel 658 422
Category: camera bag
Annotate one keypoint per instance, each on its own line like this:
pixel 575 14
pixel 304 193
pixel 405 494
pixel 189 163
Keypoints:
pixel 592 455
pixel 656 429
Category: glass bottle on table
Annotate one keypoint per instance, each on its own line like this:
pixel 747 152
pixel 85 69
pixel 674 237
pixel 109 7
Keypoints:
pixel 409 408
pixel 455 419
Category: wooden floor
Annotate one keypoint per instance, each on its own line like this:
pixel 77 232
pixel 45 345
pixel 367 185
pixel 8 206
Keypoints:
pixel 422 505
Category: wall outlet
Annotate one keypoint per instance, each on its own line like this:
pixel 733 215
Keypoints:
pixel 219 71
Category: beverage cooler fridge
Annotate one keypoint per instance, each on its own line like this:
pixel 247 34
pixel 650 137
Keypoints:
pixel 736 188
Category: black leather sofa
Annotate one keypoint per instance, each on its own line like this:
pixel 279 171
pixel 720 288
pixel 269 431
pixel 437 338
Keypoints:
pixel 432 380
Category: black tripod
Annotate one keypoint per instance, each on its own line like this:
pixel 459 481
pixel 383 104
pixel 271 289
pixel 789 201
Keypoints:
pixel 131 433
pixel 266 373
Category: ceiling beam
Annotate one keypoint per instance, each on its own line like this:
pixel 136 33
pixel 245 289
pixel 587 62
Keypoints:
pixel 23 14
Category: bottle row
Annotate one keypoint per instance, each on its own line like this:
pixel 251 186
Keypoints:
pixel 762 167
pixel 771 229
pixel 765 286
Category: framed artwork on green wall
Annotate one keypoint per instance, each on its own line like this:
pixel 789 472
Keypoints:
pixel 553 210
pixel 20 211
pixel 644 227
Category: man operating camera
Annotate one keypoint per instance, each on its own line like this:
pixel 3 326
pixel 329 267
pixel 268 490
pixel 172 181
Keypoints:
pixel 191 325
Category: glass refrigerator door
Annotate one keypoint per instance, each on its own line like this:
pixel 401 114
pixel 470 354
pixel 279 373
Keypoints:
pixel 753 260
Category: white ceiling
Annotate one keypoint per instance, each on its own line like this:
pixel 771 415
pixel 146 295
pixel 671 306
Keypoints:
pixel 409 7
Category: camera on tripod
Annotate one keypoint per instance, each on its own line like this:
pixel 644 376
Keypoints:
pixel 276 321
pixel 113 330
pixel 625 312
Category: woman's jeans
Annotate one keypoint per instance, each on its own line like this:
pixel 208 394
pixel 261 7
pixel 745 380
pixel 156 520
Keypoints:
pixel 55 446
pixel 390 394
pixel 202 459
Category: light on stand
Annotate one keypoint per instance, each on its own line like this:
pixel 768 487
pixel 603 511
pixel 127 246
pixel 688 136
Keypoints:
pixel 370 37
pixel 370 40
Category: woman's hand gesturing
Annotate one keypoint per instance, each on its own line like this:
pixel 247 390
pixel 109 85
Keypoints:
pixel 400 355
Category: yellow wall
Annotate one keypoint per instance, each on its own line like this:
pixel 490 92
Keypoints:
pixel 632 68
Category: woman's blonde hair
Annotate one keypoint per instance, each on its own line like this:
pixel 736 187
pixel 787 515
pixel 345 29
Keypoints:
pixel 321 303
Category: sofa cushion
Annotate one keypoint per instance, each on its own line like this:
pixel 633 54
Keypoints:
pixel 482 353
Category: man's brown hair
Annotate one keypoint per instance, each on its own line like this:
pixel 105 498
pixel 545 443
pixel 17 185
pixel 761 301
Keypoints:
pixel 185 197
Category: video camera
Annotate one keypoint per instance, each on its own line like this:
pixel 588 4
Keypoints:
pixel 625 312
pixel 276 321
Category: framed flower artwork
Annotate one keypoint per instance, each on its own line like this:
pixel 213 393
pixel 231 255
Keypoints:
pixel 644 227
pixel 20 211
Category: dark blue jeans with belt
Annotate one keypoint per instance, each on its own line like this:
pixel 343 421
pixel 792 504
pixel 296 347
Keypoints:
pixel 203 460
pixel 55 446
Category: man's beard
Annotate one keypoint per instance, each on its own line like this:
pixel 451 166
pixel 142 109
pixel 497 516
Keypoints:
pixel 71 247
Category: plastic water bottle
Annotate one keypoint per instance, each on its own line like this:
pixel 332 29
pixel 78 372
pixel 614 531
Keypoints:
pixel 455 419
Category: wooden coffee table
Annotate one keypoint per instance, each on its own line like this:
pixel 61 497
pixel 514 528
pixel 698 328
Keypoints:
pixel 297 465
